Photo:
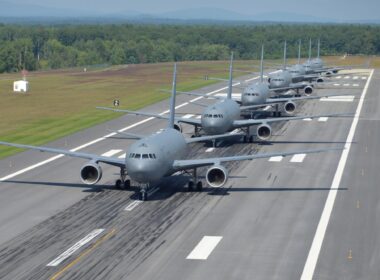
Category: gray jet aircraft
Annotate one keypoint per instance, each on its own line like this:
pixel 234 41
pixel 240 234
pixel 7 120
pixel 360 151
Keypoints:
pixel 225 116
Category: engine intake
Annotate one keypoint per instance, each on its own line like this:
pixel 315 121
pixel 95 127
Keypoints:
pixel 290 107
pixel 320 80
pixel 264 131
pixel 216 176
pixel 91 173
pixel 178 126
pixel 308 90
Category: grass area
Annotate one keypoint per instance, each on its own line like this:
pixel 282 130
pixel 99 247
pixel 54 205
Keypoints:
pixel 62 102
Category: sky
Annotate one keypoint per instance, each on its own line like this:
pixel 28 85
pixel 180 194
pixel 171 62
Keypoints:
pixel 341 10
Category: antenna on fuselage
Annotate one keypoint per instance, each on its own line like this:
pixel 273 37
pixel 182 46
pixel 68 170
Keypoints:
pixel 285 56
pixel 262 64
pixel 229 94
pixel 309 49
pixel 299 51
pixel 172 99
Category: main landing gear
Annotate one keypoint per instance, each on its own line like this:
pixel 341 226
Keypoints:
pixel 122 183
pixel 248 138
pixel 198 185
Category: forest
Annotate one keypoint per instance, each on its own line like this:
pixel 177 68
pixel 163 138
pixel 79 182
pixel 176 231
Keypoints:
pixel 40 47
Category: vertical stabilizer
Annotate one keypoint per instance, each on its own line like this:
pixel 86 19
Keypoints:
pixel 172 99
pixel 299 51
pixel 285 55
pixel 310 49
pixel 319 48
pixel 262 64
pixel 229 95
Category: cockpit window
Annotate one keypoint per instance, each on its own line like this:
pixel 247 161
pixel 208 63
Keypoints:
pixel 144 156
pixel 137 155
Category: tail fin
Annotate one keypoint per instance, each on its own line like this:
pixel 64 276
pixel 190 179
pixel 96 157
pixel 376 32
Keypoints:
pixel 172 99
pixel 229 95
pixel 299 51
pixel 309 49
pixel 285 55
pixel 319 47
pixel 262 64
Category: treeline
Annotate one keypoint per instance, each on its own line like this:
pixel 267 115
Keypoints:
pixel 52 47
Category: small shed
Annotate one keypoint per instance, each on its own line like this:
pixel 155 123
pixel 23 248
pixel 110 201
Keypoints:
pixel 21 86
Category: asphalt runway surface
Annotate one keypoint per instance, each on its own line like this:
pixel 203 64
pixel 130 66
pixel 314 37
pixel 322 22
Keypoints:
pixel 264 224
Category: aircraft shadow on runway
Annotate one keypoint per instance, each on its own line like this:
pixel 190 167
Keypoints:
pixel 167 188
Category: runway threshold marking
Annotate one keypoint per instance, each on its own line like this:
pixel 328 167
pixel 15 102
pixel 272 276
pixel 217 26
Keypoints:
pixel 323 119
pixel 315 249
pixel 75 247
pixel 204 248
pixel 298 158
pixel 51 159
pixel 86 252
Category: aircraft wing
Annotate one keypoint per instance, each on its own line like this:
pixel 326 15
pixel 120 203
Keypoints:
pixel 293 86
pixel 211 137
pixel 271 101
pixel 194 163
pixel 250 122
pixel 92 157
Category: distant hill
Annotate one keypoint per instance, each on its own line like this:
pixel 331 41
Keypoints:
pixel 29 13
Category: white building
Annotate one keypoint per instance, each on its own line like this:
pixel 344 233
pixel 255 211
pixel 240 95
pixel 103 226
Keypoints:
pixel 21 86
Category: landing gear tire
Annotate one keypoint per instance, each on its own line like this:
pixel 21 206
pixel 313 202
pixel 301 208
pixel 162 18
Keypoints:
pixel 199 186
pixel 250 139
pixel 118 184
pixel 127 184
pixel 190 186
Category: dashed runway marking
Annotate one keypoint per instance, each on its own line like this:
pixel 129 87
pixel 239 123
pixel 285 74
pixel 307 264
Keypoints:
pixel 298 158
pixel 276 159
pixel 204 248
pixel 342 98
pixel 133 205
pixel 111 153
pixel 188 116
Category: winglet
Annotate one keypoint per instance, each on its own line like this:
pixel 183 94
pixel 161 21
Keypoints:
pixel 262 64
pixel 172 99
pixel 229 95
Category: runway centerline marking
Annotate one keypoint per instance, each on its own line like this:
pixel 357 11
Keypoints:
pixel 111 153
pixel 133 205
pixel 298 158
pixel 75 247
pixel 315 249
pixel 204 248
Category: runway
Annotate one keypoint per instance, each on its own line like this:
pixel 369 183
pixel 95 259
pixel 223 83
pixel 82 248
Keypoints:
pixel 261 226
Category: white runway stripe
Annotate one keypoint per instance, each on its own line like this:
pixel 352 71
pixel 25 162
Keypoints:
pixel 75 247
pixel 355 78
pixel 298 158
pixel 336 85
pixel 276 159
pixel 209 150
pixel 364 78
pixel 111 153
pixel 339 77
pixel 234 95
pixel 346 85
pixel 133 205
pixel 342 98
pixel 188 116
pixel 323 119
pixel 355 85
pixel 307 119
pixel 204 248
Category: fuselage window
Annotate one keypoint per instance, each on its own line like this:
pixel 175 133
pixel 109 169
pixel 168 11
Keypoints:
pixel 137 155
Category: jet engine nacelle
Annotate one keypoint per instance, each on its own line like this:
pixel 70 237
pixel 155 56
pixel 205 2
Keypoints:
pixel 328 73
pixel 264 131
pixel 178 126
pixel 91 173
pixel 308 90
pixel 216 176
pixel 289 107
pixel 320 80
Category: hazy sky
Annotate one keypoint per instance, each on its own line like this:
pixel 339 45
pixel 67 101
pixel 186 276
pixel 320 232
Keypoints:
pixel 337 9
